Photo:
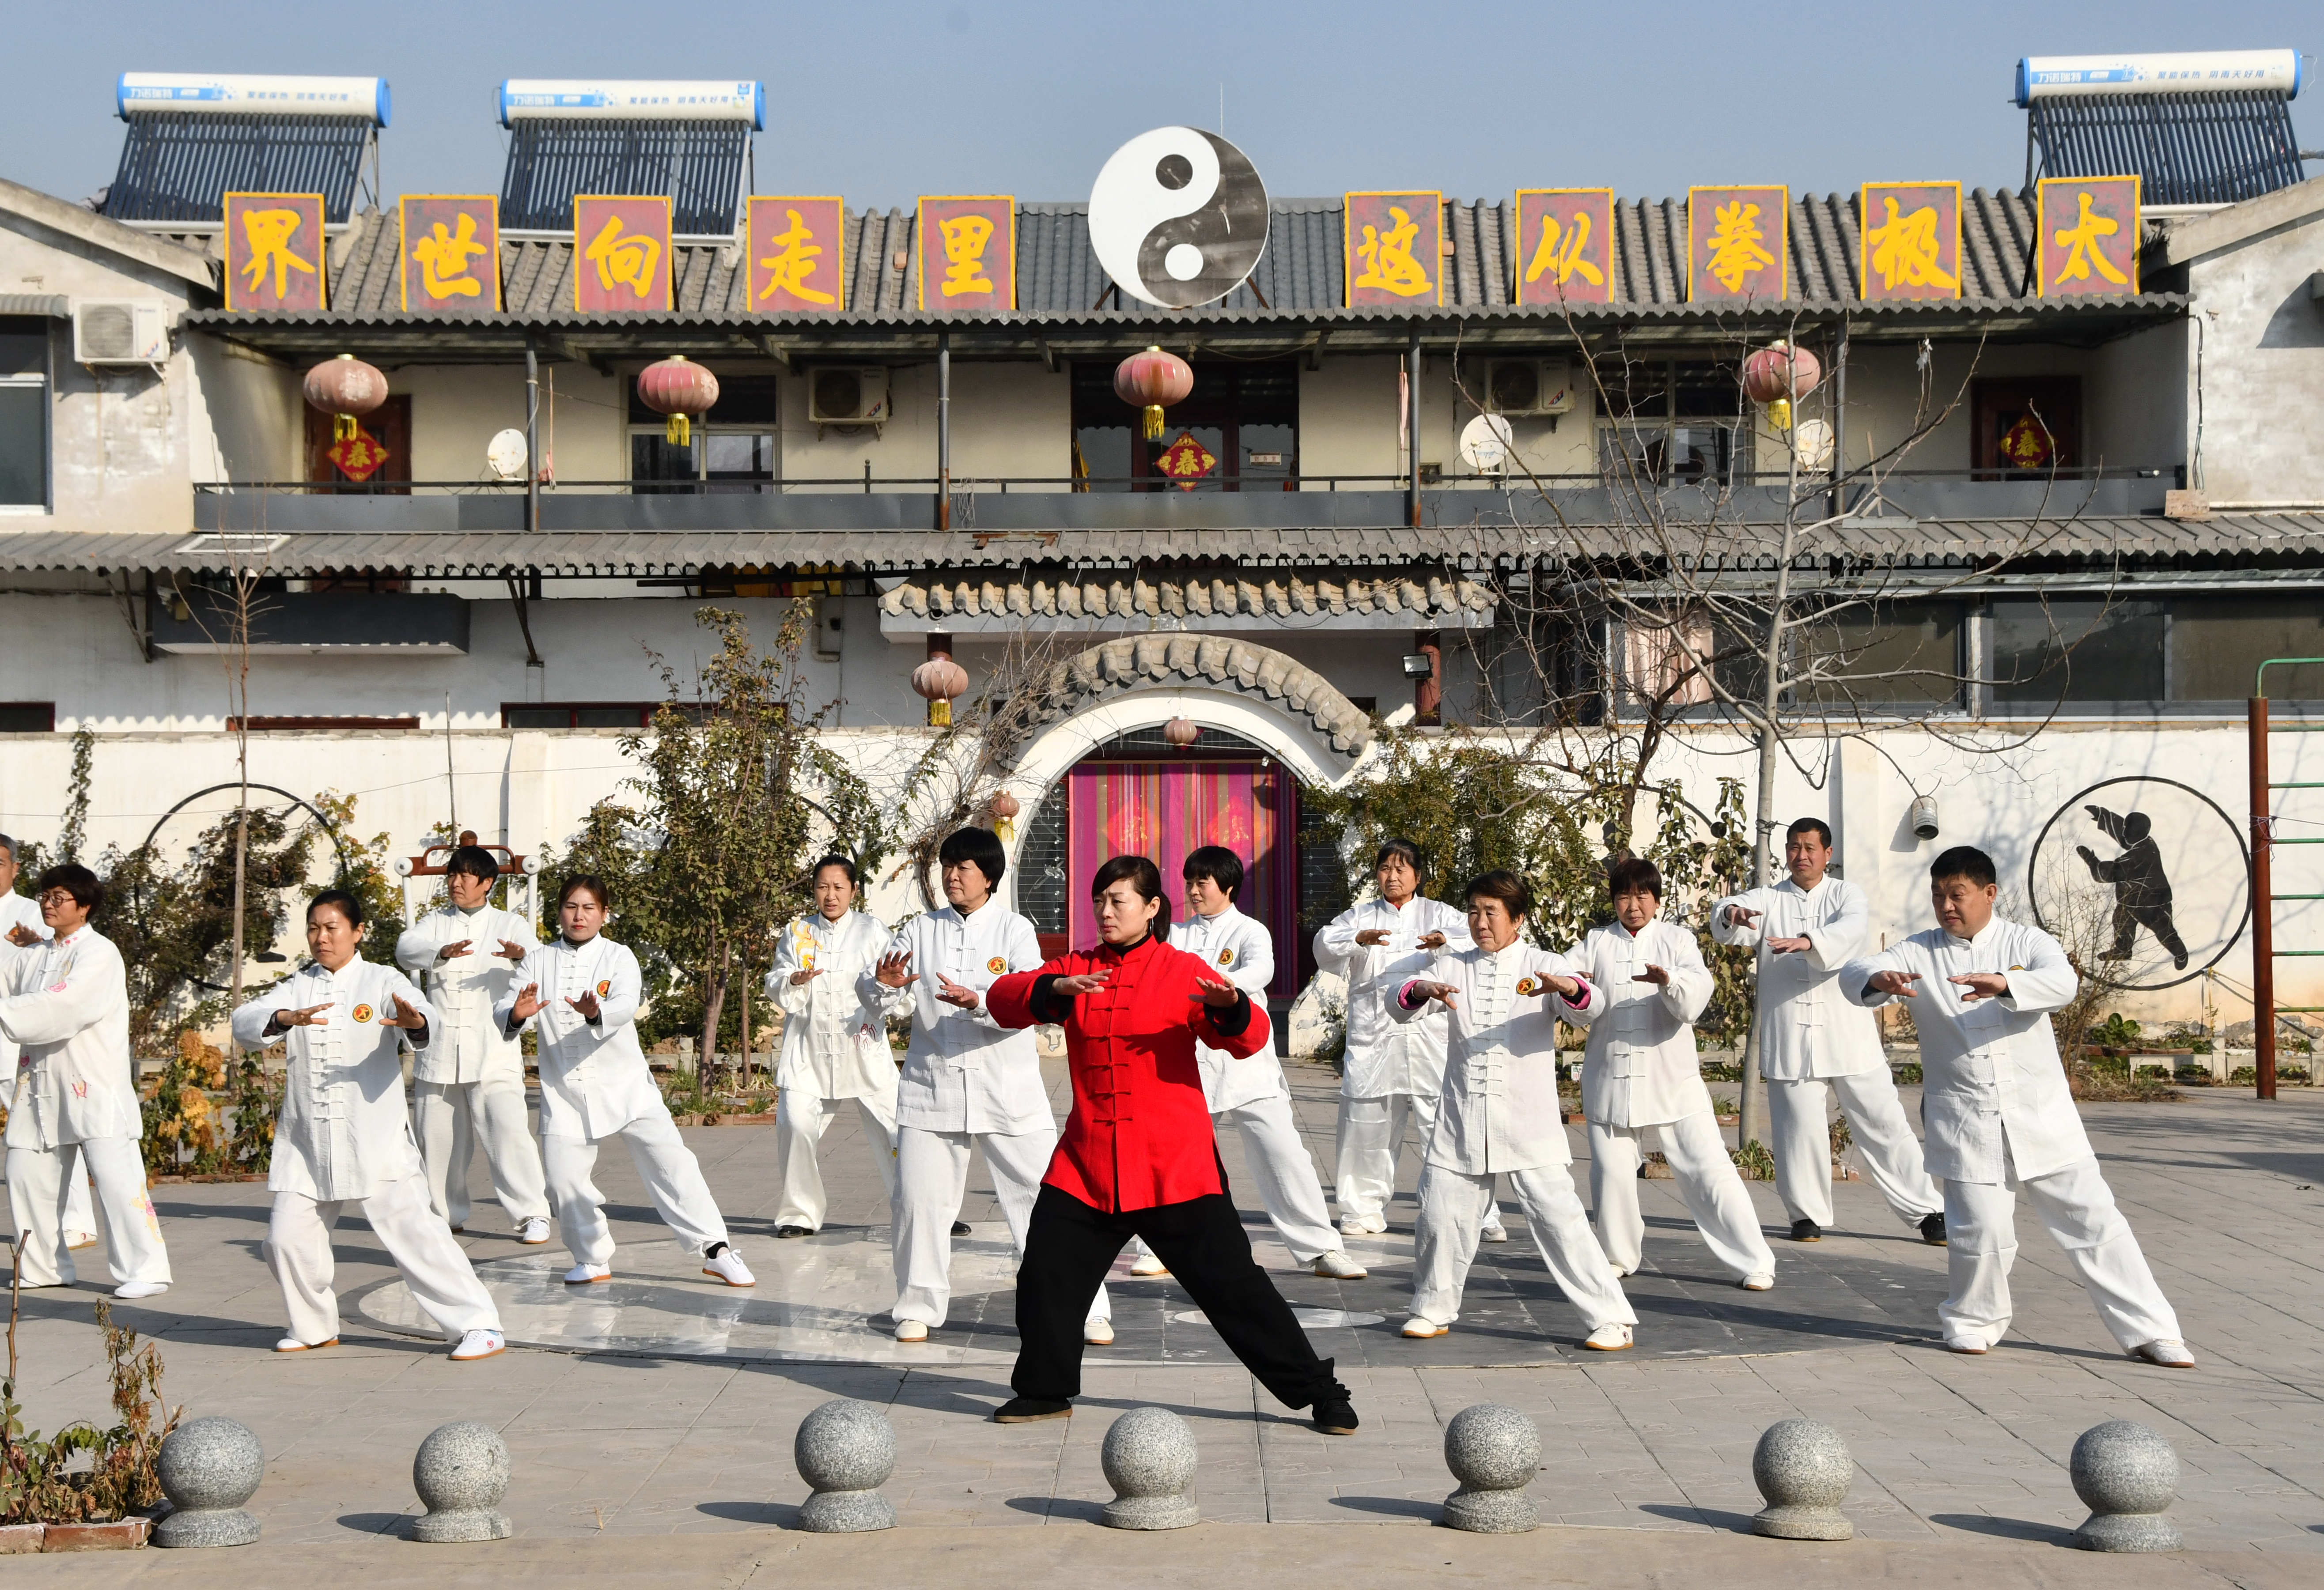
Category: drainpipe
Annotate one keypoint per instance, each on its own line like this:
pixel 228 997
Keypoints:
pixel 1412 431
pixel 1428 689
pixel 532 436
pixel 944 430
pixel 1840 423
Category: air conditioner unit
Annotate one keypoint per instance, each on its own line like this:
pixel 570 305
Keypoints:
pixel 1521 387
pixel 121 331
pixel 847 395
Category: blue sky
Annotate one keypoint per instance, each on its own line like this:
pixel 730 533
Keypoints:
pixel 881 102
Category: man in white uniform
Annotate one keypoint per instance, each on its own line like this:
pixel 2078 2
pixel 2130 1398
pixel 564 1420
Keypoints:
pixel 2000 1115
pixel 76 1098
pixel 1813 1040
pixel 469 1083
pixel 1641 1071
pixel 22 932
pixel 1393 1069
pixel 344 1136
pixel 1501 1116
pixel 968 1082
pixel 1250 1095
pixel 834 1046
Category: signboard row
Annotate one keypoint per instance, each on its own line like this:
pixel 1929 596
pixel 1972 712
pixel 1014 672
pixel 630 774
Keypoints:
pixel 1568 242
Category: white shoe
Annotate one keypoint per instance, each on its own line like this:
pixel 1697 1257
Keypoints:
pixel 1146 1267
pixel 532 1233
pixel 728 1266
pixel 1352 1225
pixel 1494 1234
pixel 1967 1345
pixel 582 1274
pixel 77 1240
pixel 1611 1339
pixel 2166 1353
pixel 1760 1281
pixel 911 1330
pixel 1620 1272
pixel 1098 1333
pixel 1336 1266
pixel 479 1344
pixel 140 1288
pixel 292 1344
pixel 1420 1329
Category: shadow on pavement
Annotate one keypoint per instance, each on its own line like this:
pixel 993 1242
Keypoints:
pixel 2005 1528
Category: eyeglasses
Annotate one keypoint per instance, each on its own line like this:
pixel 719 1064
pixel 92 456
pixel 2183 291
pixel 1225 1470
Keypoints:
pixel 57 897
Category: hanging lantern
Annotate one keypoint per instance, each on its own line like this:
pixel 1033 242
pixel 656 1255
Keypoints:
pixel 937 682
pixel 1182 733
pixel 679 389
pixel 1151 380
pixel 1779 375
pixel 1003 808
pixel 346 389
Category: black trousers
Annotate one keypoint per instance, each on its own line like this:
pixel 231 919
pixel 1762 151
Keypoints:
pixel 1069 1247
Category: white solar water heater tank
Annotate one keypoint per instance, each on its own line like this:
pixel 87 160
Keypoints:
pixel 2210 71
pixel 145 92
pixel 566 99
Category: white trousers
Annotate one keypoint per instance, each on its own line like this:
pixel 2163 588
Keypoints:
pixel 39 1182
pixel 452 1117
pixel 1706 1179
pixel 1452 1207
pixel 800 1121
pixel 434 1265
pixel 1282 1172
pixel 2077 1208
pixel 672 1175
pixel 931 1180
pixel 1884 1143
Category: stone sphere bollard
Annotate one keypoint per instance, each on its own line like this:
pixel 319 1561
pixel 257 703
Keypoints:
pixel 461 1472
pixel 1803 1469
pixel 845 1450
pixel 1149 1457
pixel 1494 1452
pixel 208 1467
pixel 2126 1474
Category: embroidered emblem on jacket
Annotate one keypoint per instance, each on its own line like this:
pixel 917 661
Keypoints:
pixel 1226 958
pixel 605 986
pixel 997 965
pixel 1528 987
pixel 361 1013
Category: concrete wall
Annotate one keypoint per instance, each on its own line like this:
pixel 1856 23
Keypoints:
pixel 2259 373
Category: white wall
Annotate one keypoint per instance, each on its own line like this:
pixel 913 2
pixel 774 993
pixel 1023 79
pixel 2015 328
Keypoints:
pixel 2261 380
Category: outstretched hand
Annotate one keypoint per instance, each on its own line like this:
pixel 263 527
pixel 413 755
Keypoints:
pixel 509 950
pixel 955 994
pixel 1899 983
pixel 805 975
pixel 1082 982
pixel 1740 916
pixel 586 1004
pixel 528 1002
pixel 1653 974
pixel 1982 985
pixel 1217 996
pixel 1789 946
pixel 1444 993
pixel 455 950
pixel 894 970
pixel 405 1016
pixel 23 937
pixel 1372 938
pixel 312 1015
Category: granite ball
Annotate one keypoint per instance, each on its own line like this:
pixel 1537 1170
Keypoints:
pixel 1149 1457
pixel 2128 1476
pixel 1494 1452
pixel 461 1472
pixel 1804 1469
pixel 845 1450
pixel 208 1467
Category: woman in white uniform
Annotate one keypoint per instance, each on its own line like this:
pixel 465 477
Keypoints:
pixel 344 1136
pixel 583 991
pixel 22 929
pixel 835 1047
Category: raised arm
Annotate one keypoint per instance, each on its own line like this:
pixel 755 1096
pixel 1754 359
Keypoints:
pixel 86 995
pixel 416 946
pixel 400 987
pixel 1580 957
pixel 877 996
pixel 1689 986
pixel 1845 937
pixel 1856 978
pixel 1335 942
pixel 2046 981
pixel 251 1023
pixel 1728 926
pixel 527 980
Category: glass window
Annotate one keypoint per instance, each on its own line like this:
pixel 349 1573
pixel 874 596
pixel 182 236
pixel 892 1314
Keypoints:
pixel 656 467
pixel 28 717
pixel 1904 655
pixel 740 461
pixel 2081 650
pixel 23 346
pixel 1040 866
pixel 23 442
pixel 1245 415
pixel 2218 642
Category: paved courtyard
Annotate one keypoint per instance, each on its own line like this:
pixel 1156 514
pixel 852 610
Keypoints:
pixel 665 1405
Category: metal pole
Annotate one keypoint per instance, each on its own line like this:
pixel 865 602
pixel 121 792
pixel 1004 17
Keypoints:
pixel 2263 907
pixel 944 430
pixel 532 436
pixel 1839 421
pixel 1412 431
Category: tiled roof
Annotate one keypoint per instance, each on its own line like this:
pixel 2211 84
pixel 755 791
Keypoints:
pixel 1224 596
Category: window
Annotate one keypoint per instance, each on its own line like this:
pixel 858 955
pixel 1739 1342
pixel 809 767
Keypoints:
pixel 2084 650
pixel 2026 428
pixel 24 412
pixel 28 717
pixel 1901 654
pixel 578 714
pixel 1244 416
pixel 260 725
pixel 1670 422
pixel 2218 642
pixel 733 448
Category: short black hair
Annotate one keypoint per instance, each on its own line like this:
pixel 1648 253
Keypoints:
pixel 1814 825
pixel 979 845
pixel 475 861
pixel 1406 848
pixel 834 859
pixel 1502 885
pixel 585 880
pixel 1222 866
pixel 1964 861
pixel 1142 875
pixel 347 903
pixel 76 880
pixel 1634 875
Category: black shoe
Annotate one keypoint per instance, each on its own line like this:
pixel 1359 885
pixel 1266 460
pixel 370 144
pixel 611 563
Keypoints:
pixel 960 1228
pixel 794 1231
pixel 1806 1231
pixel 1336 1416
pixel 1932 1230
pixel 1031 1411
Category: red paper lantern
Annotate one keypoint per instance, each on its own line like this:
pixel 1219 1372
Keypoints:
pixel 1004 807
pixel 1780 371
pixel 1151 380
pixel 679 389
pixel 1182 733
pixel 937 682
pixel 346 389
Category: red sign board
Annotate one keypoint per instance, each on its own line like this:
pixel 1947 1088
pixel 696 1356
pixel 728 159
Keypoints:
pixel 1738 243
pixel 1186 461
pixel 968 251
pixel 2090 236
pixel 451 251
pixel 1394 248
pixel 274 251
pixel 1566 245
pixel 621 252
pixel 359 456
pixel 799 256
pixel 1910 237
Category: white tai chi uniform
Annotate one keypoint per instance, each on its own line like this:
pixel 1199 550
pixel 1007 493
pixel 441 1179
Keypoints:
pixel 1640 1073
pixel 76 1104
pixel 344 1136
pixel 1500 1116
pixel 468 1082
pixel 20 911
pixel 1813 1039
pixel 967 1082
pixel 1394 1069
pixel 2000 1116
pixel 834 1048
pixel 595 1084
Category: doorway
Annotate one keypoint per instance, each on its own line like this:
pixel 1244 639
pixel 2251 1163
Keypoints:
pixel 389 425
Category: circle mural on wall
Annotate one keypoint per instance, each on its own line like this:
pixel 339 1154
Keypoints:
pixel 1178 218
pixel 2148 877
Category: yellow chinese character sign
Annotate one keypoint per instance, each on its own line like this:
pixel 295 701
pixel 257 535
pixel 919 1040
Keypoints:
pixel 1564 246
pixel 1909 241
pixel 2090 236
pixel 274 251
pixel 1738 243
pixel 1395 247
pixel 621 253
pixel 968 251
pixel 451 245
pixel 797 255
pixel 1186 461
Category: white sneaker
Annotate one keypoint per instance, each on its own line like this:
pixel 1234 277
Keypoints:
pixel 532 1233
pixel 77 1240
pixel 479 1344
pixel 1967 1345
pixel 1621 1272
pixel 1420 1329
pixel 1759 1281
pixel 2166 1353
pixel 1494 1234
pixel 1098 1333
pixel 911 1330
pixel 728 1266
pixel 582 1274
pixel 140 1288
pixel 1352 1225
pixel 292 1344
pixel 1336 1266
pixel 1146 1267
pixel 1609 1339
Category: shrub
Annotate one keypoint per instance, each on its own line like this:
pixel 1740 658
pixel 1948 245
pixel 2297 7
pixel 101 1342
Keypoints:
pixel 36 1485
pixel 1754 1161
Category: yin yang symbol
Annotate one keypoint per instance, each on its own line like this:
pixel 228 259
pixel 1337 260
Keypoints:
pixel 1178 218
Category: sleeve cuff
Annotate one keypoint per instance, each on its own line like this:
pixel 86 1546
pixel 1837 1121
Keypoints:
pixel 1231 1022
pixel 1581 998
pixel 1049 1006
pixel 1404 995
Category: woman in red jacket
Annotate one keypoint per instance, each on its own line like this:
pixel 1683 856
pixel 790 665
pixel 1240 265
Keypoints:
pixel 1136 1158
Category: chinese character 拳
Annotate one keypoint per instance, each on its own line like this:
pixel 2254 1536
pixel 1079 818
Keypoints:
pixel 965 239
pixel 2081 243
pixel 624 261
pixel 1562 252
pixel 269 233
pixel 1736 239
pixel 1905 248
pixel 443 259
pixel 1388 261
pixel 793 264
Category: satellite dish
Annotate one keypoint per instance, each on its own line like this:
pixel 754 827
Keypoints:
pixel 1815 445
pixel 1178 218
pixel 506 454
pixel 1485 444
